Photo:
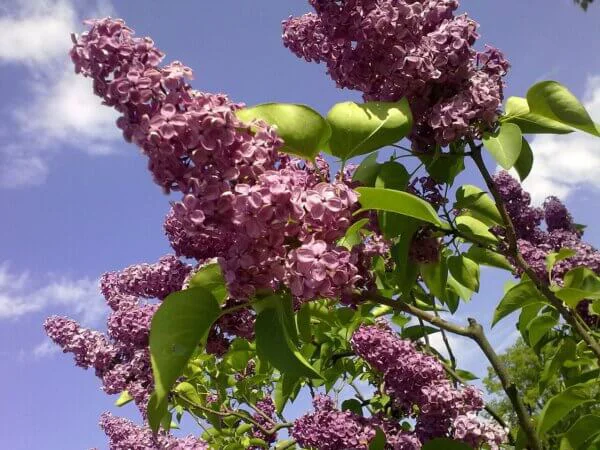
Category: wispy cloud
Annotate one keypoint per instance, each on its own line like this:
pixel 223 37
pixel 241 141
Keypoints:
pixel 57 109
pixel 19 296
pixel 566 163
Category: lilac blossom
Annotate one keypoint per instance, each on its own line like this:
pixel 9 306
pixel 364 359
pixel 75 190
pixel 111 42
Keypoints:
pixel 126 435
pixel 418 50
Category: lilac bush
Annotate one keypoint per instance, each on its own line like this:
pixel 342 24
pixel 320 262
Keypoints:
pixel 292 275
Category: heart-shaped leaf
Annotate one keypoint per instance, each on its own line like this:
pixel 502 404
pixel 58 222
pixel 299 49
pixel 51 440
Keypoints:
pixel 517 112
pixel 304 131
pixel 505 146
pixel 357 129
pixel 178 327
pixel 554 101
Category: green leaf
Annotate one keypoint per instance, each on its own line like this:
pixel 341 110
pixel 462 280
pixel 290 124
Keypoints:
pixel 572 296
pixel 406 272
pixel 304 131
pixel 357 129
pixel 353 236
pixel 582 278
pixel 555 257
pixel 379 441
pixel 445 444
pixel 475 230
pixel 466 375
pixel 284 388
pixel 523 294
pixel 178 327
pixel 554 101
pixel 458 289
pixel 399 202
pixel 210 277
pixel 566 351
pixel 274 339
pixel 528 313
pixel 157 410
pixel 366 172
pixel 517 112
pixel 581 433
pixel 417 332
pixel 392 175
pixel 123 399
pixel 563 403
pixel 353 405
pixel 435 276
pixel 443 167
pixel 474 199
pixel 303 322
pixel 465 271
pixel 525 162
pixel 489 258
pixel 538 328
pixel 505 146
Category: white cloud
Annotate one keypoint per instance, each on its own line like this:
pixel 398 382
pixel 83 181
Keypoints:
pixel 45 349
pixel 34 31
pixel 58 109
pixel 19 296
pixel 565 163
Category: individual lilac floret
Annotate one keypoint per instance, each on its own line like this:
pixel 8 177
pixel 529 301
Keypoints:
pixel 126 435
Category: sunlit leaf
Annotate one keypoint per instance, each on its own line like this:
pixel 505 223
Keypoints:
pixel 357 129
pixel 304 131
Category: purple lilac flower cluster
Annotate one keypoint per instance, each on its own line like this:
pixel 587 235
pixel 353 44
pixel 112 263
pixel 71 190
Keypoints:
pixel 327 428
pixel 125 435
pixel 120 357
pixel 267 409
pixel 390 49
pixel 535 243
pixel 418 387
pixel 271 220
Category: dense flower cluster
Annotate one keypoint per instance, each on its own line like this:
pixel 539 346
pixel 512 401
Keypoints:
pixel 327 428
pixel 125 435
pixel 390 49
pixel 121 358
pixel 418 386
pixel 271 220
pixel 267 409
pixel 535 243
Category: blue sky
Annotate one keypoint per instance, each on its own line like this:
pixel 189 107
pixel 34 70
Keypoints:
pixel 78 201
